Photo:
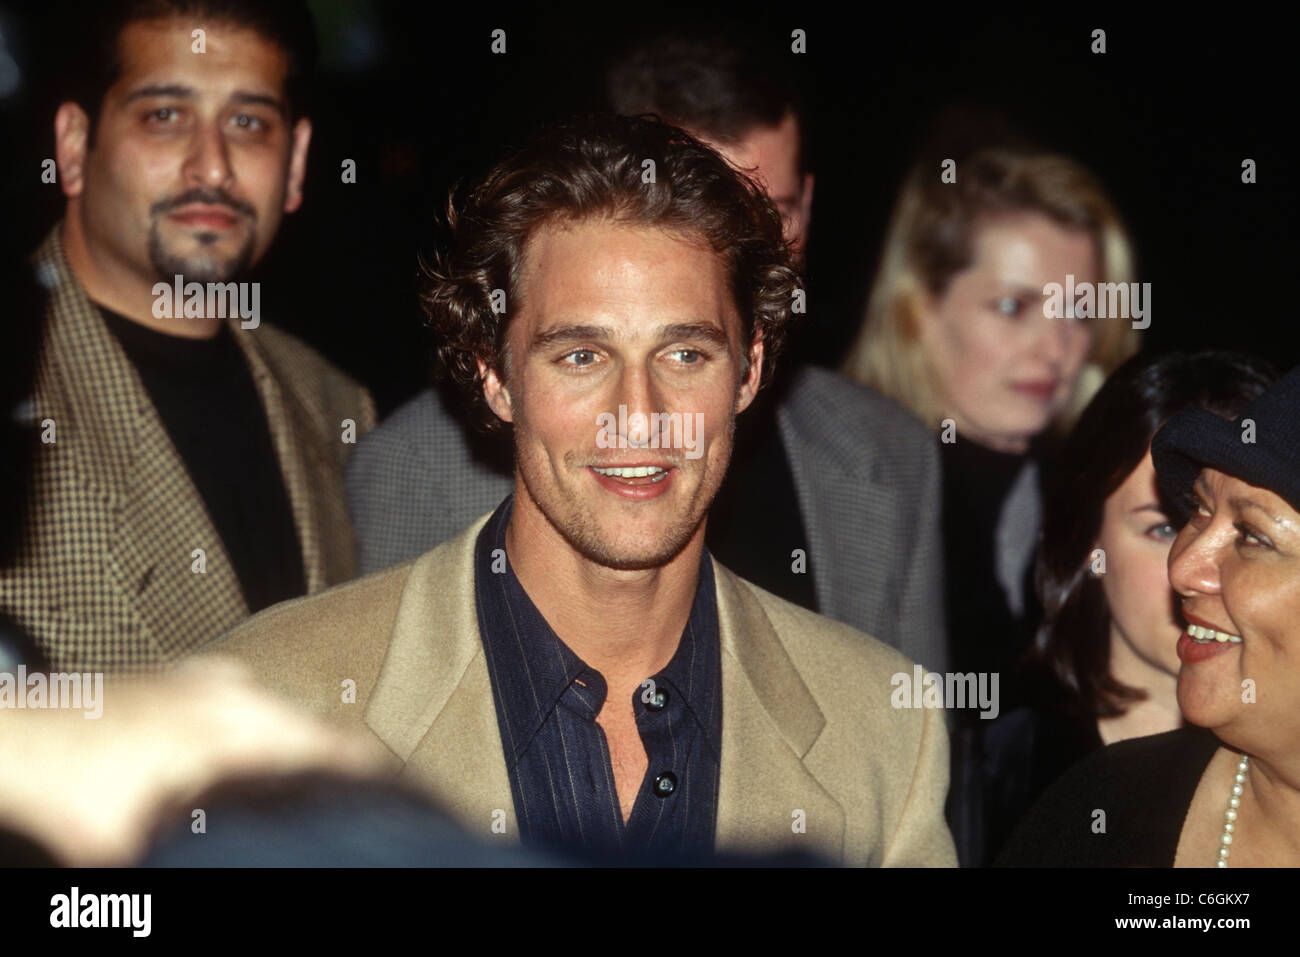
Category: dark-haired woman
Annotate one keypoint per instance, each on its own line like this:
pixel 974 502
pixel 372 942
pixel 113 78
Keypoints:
pixel 1225 788
pixel 1105 665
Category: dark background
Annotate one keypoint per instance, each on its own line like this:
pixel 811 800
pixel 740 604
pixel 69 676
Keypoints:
pixel 412 93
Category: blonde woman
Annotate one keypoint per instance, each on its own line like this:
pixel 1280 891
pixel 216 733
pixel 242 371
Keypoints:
pixel 957 331
pixel 963 265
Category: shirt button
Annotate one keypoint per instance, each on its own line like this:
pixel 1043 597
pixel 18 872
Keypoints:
pixel 657 701
pixel 665 784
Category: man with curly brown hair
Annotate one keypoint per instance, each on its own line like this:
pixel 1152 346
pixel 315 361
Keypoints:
pixel 575 670
pixel 843 477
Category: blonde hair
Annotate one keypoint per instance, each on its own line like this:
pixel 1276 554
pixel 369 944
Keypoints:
pixel 930 239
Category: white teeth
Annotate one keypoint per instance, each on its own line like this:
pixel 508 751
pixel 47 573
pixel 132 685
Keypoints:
pixel 639 471
pixel 1202 635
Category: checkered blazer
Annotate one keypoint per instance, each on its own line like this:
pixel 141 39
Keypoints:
pixel 866 472
pixel 103 578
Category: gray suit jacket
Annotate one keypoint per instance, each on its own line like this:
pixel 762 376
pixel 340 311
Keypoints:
pixel 866 472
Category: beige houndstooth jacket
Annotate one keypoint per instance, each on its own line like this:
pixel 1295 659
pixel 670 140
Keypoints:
pixel 104 578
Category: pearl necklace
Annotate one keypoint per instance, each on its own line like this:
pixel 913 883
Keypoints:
pixel 1230 815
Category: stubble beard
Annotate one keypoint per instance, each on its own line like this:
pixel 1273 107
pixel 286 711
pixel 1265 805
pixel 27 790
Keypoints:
pixel 573 520
pixel 202 266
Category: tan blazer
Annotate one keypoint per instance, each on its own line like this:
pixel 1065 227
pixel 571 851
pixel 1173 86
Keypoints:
pixel 813 755
pixel 103 579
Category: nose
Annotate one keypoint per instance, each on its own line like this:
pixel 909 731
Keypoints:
pixel 639 393
pixel 1196 556
pixel 1055 337
pixel 208 162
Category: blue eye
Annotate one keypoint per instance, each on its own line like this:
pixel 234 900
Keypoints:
pixel 695 354
pixel 580 352
pixel 1007 305
pixel 244 121
pixel 1164 531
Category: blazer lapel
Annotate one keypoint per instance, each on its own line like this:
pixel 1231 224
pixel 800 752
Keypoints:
pixel 767 799
pixel 836 497
pixel 432 703
pixel 125 455
pixel 301 439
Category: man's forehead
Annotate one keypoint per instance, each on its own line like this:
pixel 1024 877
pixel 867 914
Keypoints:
pixel 602 281
pixel 162 53
pixel 559 230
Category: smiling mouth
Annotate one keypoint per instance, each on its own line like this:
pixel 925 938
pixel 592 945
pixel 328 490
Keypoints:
pixel 1206 636
pixel 634 475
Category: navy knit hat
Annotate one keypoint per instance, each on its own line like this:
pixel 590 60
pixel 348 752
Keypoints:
pixel 1196 439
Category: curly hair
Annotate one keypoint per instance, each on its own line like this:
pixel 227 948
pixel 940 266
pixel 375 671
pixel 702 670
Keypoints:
pixel 638 171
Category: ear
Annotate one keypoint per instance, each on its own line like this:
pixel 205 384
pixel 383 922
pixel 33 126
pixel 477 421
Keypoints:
pixel 749 387
pixel 71 142
pixel 496 393
pixel 805 201
pixel 297 165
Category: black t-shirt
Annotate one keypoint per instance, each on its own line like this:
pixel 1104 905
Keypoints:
pixel 204 392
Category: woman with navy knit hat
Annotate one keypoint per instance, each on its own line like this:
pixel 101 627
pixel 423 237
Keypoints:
pixel 1224 791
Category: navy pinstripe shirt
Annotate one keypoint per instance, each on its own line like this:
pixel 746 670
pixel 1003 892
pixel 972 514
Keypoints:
pixel 547 700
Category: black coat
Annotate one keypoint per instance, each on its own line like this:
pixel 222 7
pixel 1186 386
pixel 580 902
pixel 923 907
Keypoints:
pixel 1144 786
